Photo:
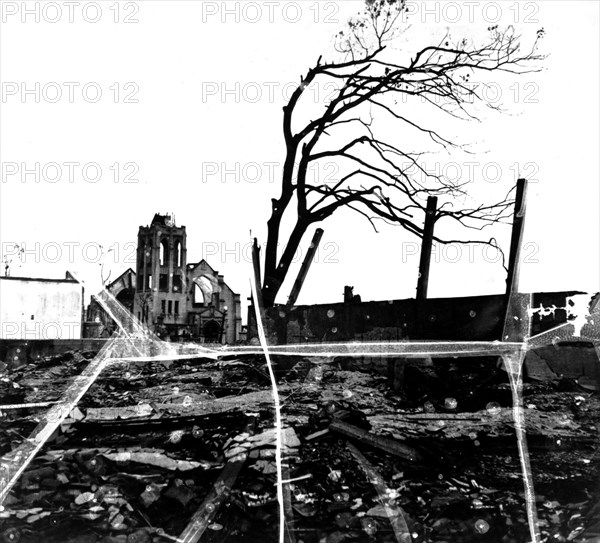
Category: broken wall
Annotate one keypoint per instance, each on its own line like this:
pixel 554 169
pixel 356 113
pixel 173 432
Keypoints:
pixel 472 318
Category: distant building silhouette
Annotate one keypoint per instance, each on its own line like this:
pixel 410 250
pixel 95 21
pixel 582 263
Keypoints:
pixel 174 299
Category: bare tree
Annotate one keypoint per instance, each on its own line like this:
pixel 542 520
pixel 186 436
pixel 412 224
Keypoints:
pixel 383 180
pixel 7 259
pixel 103 253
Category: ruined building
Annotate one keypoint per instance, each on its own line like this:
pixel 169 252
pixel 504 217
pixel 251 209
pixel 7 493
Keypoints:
pixel 175 299
pixel 33 308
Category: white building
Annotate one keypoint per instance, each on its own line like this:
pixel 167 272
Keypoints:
pixel 35 308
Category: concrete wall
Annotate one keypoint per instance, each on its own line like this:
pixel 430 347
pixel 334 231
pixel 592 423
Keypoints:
pixel 18 352
pixel 474 318
pixel 471 318
pixel 43 309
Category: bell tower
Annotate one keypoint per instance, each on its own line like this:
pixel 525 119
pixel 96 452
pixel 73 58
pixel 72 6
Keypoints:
pixel 160 297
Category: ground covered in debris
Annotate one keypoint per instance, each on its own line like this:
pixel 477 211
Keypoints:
pixel 184 450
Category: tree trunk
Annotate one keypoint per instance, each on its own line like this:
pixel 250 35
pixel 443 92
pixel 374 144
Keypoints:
pixel 271 281
pixel 274 277
pixel 269 288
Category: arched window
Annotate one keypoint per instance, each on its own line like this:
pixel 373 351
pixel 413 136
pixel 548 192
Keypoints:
pixel 198 295
pixel 164 252
pixel 177 254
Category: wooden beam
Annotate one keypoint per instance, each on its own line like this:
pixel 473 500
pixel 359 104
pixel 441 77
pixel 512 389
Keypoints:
pixel 216 497
pixel 256 266
pixel 289 536
pixel 512 278
pixel 426 245
pixel 258 302
pixel 305 267
pixel 211 504
pixel 517 318
pixel 394 512
pixel 387 445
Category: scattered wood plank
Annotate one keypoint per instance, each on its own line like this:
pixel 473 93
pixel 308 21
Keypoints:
pixel 116 413
pixel 384 444
pixel 164 423
pixel 481 415
pixel 317 435
pixel 392 509
pixel 289 536
pixel 15 462
pixel 216 497
pixel 211 504
pixel 152 457
pixel 498 422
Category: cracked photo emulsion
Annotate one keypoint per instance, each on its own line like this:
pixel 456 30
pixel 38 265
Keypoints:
pixel 299 271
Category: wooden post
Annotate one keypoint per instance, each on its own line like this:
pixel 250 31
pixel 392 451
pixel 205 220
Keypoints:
pixel 517 319
pixel 425 261
pixel 348 330
pixel 252 324
pixel 256 265
pixel 512 278
pixel 305 267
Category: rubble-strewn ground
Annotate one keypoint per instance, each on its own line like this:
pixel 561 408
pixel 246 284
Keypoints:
pixel 154 443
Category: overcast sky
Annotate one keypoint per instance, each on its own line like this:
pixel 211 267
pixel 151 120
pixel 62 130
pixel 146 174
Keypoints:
pixel 179 105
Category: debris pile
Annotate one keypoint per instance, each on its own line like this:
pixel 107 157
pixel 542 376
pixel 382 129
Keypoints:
pixel 185 450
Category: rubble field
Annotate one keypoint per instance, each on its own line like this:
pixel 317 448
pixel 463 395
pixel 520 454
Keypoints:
pixel 185 450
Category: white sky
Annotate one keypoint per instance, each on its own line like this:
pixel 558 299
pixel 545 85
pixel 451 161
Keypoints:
pixel 177 60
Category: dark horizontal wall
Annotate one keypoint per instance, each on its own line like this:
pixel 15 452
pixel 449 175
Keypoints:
pixel 16 352
pixel 475 318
